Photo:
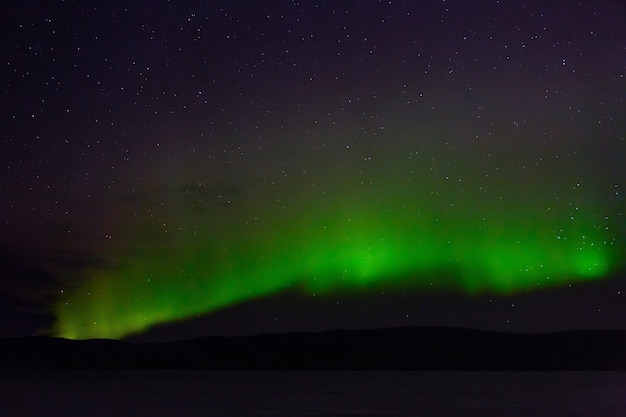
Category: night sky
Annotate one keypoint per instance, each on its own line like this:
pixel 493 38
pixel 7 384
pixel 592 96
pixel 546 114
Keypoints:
pixel 172 169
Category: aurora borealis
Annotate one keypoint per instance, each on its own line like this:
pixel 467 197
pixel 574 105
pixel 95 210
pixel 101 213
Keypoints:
pixel 367 240
pixel 165 162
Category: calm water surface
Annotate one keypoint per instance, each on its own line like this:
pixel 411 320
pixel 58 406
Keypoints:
pixel 251 394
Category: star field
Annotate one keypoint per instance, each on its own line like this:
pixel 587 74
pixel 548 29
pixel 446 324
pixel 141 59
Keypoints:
pixel 189 168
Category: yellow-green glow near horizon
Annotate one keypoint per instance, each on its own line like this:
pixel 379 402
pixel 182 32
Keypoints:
pixel 340 245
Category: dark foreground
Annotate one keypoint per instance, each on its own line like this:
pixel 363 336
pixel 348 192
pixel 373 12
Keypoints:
pixel 384 349
pixel 253 394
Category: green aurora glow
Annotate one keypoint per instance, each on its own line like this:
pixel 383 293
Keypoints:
pixel 365 239
pixel 174 169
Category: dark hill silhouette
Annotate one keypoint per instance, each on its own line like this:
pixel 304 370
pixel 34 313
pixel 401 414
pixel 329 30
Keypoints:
pixel 410 348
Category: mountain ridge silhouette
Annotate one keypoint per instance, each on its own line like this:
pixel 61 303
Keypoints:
pixel 401 348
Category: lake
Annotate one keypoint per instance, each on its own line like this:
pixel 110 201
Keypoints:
pixel 251 394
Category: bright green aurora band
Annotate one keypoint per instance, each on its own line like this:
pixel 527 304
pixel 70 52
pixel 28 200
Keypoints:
pixel 386 232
